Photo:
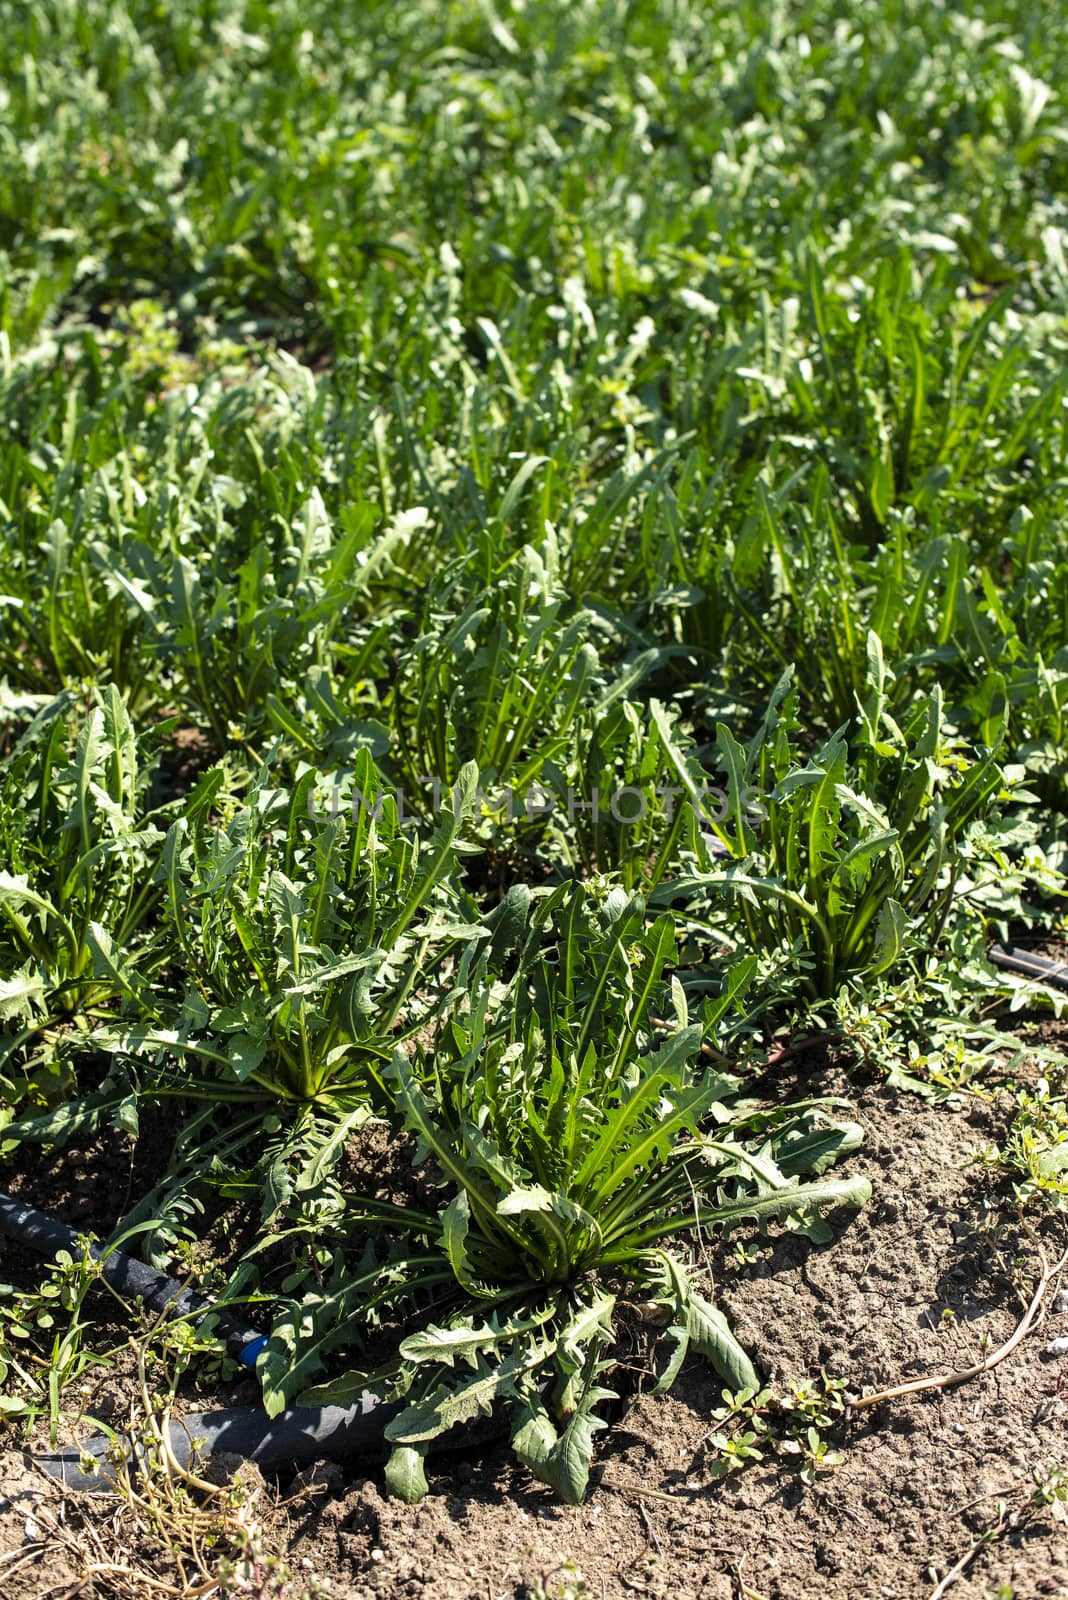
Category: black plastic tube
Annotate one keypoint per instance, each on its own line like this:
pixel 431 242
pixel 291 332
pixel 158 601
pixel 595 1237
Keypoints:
pixel 1030 965
pixel 287 1442
pixel 130 1278
pixel 291 1440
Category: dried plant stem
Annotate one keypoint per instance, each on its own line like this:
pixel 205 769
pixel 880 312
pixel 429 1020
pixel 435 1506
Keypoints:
pixel 949 1380
pixel 959 1568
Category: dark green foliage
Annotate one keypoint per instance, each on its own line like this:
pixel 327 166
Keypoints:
pixel 586 483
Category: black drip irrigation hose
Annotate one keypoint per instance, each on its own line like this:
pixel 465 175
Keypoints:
pixel 130 1278
pixel 1030 965
pixel 294 1439
pixel 284 1443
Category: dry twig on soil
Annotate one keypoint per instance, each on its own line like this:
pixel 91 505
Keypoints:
pixel 949 1380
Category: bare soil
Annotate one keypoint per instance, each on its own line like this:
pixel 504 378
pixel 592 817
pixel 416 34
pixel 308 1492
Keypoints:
pixel 920 1483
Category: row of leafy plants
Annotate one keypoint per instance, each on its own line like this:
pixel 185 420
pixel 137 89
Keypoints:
pixel 281 974
pixel 532 570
